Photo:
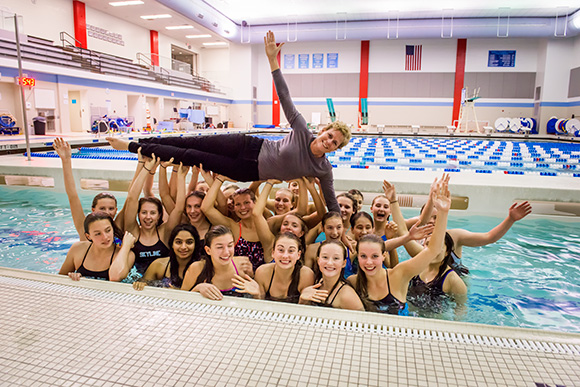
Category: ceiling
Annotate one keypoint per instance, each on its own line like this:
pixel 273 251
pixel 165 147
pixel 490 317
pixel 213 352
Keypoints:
pixel 204 15
pixel 259 12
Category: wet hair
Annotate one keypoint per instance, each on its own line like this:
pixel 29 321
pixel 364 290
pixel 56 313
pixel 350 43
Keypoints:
pixel 245 191
pixel 103 195
pixel 155 201
pixel 359 215
pixel 176 279
pixel 352 199
pixel 293 287
pixel 361 285
pixel 449 245
pixel 303 226
pixel 317 272
pixel 342 128
pixel 355 191
pixel 208 270
pixel 330 215
pixel 99 215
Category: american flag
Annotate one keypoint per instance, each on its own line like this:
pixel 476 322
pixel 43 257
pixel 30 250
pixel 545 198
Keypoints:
pixel 413 57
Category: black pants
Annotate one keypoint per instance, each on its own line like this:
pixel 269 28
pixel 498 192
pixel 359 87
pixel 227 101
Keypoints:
pixel 231 155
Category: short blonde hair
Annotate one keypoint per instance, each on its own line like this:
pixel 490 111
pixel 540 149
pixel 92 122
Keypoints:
pixel 342 128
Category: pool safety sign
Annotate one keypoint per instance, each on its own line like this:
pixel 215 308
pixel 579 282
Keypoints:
pixel 506 58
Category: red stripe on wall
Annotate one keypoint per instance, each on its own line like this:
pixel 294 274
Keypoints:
pixel 154 42
pixel 459 77
pixel 364 75
pixel 275 103
pixel 80 21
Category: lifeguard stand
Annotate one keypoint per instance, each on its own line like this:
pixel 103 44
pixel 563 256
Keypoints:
pixel 467 106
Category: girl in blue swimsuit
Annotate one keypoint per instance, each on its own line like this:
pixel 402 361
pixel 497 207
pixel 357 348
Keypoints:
pixel 212 276
pixel 385 290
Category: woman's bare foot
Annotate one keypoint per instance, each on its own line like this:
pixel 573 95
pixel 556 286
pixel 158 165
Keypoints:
pixel 117 143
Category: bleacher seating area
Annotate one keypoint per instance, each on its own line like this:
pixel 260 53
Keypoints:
pixel 45 51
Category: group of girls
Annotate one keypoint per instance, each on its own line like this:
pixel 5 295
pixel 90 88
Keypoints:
pixel 224 240
pixel 241 243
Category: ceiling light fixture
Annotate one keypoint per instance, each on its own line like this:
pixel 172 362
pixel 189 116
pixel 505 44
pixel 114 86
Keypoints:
pixel 184 27
pixel 197 36
pixel 124 3
pixel 152 17
pixel 215 44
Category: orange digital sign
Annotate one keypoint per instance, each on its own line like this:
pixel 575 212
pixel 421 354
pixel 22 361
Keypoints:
pixel 28 81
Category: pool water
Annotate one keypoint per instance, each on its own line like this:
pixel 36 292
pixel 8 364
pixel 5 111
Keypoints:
pixel 530 278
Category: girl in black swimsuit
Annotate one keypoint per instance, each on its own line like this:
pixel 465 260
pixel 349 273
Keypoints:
pixel 282 280
pixel 98 256
pixel 385 290
pixel 151 232
pixel 331 289
pixel 168 272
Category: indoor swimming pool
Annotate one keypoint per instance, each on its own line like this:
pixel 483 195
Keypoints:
pixel 530 278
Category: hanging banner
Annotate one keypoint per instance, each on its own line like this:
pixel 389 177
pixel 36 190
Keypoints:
pixel 317 61
pixel 332 60
pixel 303 61
pixel 289 61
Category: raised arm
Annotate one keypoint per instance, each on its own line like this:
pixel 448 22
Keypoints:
pixel 412 247
pixel 175 215
pixel 473 239
pixel 64 151
pixel 166 198
pixel 414 266
pixel 313 219
pixel 131 203
pixel 213 214
pixel 262 227
pixel 221 202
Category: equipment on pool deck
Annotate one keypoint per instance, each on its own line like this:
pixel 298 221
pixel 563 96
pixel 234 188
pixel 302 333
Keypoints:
pixel 331 111
pixel 516 125
pixel 8 124
pixel 364 114
pixel 563 126
pixel 467 105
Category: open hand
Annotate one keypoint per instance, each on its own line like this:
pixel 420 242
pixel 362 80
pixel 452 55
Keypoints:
pixel 272 49
pixel 517 212
pixel 389 190
pixel 62 148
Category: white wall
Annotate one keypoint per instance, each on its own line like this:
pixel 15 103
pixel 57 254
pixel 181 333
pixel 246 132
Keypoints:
pixel 136 38
pixel 44 19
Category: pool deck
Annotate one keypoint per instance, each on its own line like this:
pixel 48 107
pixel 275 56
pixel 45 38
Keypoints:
pixel 485 193
pixel 97 333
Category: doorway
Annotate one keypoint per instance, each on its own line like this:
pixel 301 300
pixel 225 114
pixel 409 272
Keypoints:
pixel 75 111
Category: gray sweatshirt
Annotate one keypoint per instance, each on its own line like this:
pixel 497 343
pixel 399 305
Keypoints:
pixel 291 158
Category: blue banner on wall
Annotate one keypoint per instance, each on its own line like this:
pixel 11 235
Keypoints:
pixel 317 61
pixel 288 61
pixel 502 58
pixel 332 60
pixel 303 61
